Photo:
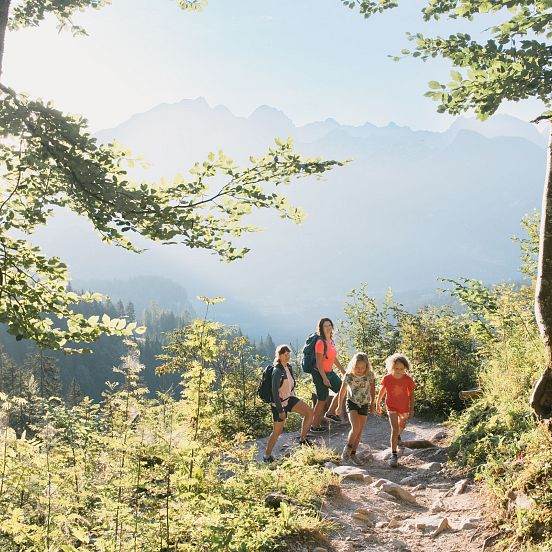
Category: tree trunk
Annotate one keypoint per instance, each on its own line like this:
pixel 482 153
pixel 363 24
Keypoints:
pixel 4 9
pixel 543 292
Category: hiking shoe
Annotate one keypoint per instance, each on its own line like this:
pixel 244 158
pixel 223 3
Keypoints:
pixel 346 454
pixel 306 442
pixel 357 460
pixel 333 418
pixel 393 461
pixel 320 429
pixel 268 459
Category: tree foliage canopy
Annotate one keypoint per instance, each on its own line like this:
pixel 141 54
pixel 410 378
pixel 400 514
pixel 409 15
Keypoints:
pixel 514 62
pixel 49 160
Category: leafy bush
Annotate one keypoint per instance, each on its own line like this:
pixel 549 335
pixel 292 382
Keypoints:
pixel 140 474
pixel 439 342
pixel 498 437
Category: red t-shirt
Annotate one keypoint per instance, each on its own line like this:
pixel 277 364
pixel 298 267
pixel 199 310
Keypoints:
pixel 399 392
pixel 331 353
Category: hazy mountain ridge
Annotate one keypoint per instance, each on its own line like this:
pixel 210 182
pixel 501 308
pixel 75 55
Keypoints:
pixel 411 206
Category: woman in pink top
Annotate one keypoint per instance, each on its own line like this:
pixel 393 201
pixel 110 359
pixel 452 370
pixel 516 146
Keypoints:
pixel 324 377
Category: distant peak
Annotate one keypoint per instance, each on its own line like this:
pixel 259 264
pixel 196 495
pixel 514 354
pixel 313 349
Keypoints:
pixel 498 125
pixel 394 126
pixel 266 109
pixel 200 101
pixel 222 108
pixel 264 112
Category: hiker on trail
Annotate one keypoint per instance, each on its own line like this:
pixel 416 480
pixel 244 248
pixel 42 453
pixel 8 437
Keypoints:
pixel 359 386
pixel 284 401
pixel 324 377
pixel 398 387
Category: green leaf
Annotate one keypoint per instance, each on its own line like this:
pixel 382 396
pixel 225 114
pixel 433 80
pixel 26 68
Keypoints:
pixel 456 76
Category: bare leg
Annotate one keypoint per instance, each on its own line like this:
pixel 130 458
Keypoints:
pixel 278 427
pixel 307 412
pixel 394 422
pixel 360 423
pixel 318 412
pixel 333 405
pixel 353 434
pixel 403 420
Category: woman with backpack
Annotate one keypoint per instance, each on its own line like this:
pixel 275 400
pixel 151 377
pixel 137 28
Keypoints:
pixel 323 376
pixel 285 401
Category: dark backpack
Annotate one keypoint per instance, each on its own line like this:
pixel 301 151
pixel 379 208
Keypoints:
pixel 264 391
pixel 308 362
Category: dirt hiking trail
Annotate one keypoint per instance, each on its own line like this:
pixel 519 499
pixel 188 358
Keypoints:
pixel 422 505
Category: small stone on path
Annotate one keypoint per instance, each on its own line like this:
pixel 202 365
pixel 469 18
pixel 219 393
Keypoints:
pixel 399 545
pixel 363 514
pixel 431 467
pixel 460 487
pixel 439 436
pixel 348 472
pixel 386 496
pixel 466 524
pixel 432 524
pixel 437 506
pixel 410 480
pixel 398 492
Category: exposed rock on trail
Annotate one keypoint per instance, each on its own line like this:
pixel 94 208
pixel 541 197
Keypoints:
pixel 420 506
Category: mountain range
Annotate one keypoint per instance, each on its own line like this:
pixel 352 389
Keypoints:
pixel 410 206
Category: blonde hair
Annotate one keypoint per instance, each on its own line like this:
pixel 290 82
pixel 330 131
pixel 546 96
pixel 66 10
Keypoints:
pixel 397 357
pixel 359 357
pixel 280 350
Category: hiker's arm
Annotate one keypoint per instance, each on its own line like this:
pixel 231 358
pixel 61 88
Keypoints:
pixel 412 402
pixel 338 364
pixel 320 369
pixel 378 400
pixel 277 375
pixel 340 398
pixel 372 394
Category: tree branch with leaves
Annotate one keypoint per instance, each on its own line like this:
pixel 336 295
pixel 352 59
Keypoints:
pixel 49 160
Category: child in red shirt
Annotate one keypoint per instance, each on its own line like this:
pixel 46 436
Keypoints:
pixel 398 387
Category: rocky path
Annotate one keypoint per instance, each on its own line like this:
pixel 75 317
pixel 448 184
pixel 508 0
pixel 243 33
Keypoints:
pixel 422 505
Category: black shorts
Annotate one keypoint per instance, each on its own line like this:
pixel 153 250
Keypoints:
pixel 292 401
pixel 362 410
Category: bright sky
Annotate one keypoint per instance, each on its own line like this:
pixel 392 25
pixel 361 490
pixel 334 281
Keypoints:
pixel 313 59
